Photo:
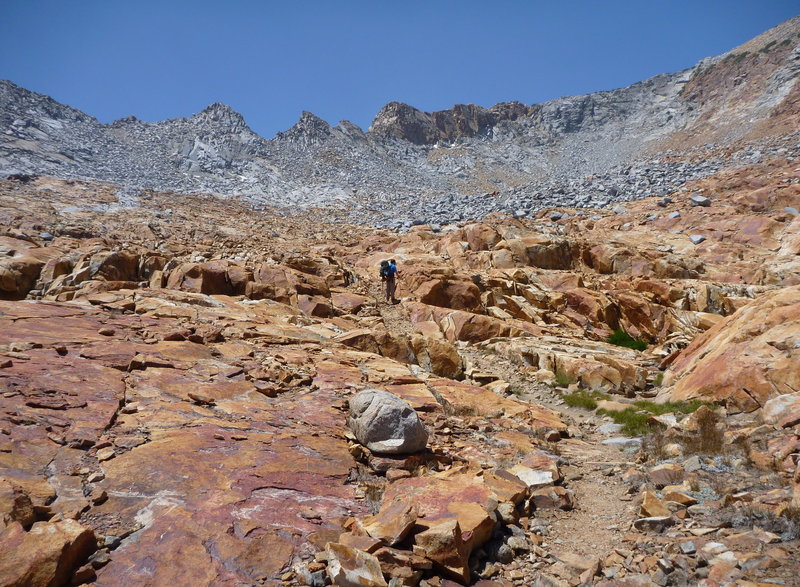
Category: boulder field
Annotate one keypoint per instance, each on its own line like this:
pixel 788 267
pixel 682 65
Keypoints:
pixel 176 376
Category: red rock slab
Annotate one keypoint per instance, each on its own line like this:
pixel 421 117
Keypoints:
pixel 306 509
pixel 173 383
pixel 234 350
pixel 49 330
pixel 465 326
pixel 79 395
pixel 383 368
pixel 481 401
pixel 348 302
pixel 450 496
pixel 506 486
pixel 465 398
pixel 183 352
pixel 113 353
pixel 337 374
pixel 177 548
pixel 301 452
pixel 29 309
pixel 314 411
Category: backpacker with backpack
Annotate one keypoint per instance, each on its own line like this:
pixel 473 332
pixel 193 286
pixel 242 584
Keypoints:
pixel 384 272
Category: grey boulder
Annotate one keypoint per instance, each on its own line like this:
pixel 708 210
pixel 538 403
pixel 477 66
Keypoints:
pixel 385 423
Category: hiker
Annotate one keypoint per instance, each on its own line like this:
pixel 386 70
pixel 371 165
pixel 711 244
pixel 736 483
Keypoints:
pixel 388 276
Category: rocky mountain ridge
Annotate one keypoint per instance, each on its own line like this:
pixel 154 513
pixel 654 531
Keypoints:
pixel 437 167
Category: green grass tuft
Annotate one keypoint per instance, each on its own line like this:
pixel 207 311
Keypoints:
pixel 583 398
pixel 634 419
pixel 634 422
pixel 563 380
pixel 767 48
pixel 580 400
pixel 623 339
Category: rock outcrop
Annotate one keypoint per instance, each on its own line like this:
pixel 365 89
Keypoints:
pixel 747 359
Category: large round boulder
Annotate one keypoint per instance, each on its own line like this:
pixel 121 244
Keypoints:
pixel 385 423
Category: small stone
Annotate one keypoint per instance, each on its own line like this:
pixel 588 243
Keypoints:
pixel 504 554
pixel 698 200
pixel 692 464
pixel 652 506
pixel 201 398
pixel 696 238
pixel 130 408
pixel 352 567
pixel 666 474
pixel 507 512
pixel 654 524
pixel 393 475
pixel 106 331
pixel 105 454
pixel 98 496
pixel 688 547
pixel 518 544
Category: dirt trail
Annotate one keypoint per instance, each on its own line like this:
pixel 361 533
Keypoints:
pixel 395 316
pixel 592 470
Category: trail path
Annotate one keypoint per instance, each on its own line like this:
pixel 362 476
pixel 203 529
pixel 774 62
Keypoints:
pixel 592 470
pixel 603 510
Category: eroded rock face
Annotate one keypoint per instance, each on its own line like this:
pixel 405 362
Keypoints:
pixel 747 359
pixel 385 423
pixel 48 554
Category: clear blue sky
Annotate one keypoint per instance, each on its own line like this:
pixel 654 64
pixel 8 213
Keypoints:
pixel 345 59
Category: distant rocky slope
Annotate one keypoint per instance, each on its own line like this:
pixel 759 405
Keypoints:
pixel 439 167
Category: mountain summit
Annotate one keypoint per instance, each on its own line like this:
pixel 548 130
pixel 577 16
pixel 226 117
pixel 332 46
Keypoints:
pixel 529 156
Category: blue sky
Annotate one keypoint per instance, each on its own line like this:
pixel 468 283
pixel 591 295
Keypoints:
pixel 346 59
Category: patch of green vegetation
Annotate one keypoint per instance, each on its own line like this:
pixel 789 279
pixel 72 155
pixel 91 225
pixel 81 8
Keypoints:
pixel 659 378
pixel 768 47
pixel 785 42
pixel 623 339
pixel 634 422
pixel 563 380
pixel 735 58
pixel 583 398
pixel 740 57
